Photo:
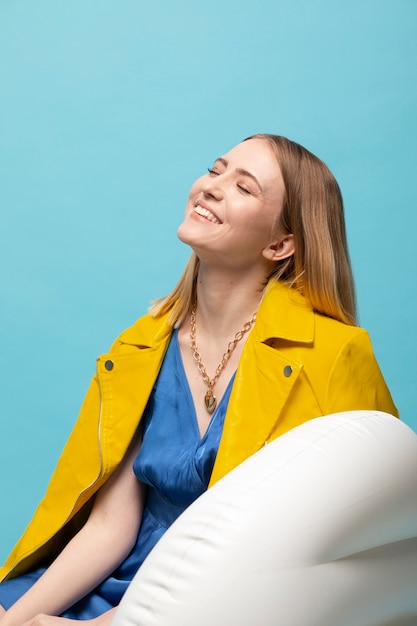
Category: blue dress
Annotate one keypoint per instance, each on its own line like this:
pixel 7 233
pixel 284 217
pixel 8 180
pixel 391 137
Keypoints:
pixel 176 465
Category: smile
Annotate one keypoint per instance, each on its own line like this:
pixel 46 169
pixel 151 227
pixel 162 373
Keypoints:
pixel 208 215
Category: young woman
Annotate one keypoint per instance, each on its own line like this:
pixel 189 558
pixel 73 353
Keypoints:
pixel 258 336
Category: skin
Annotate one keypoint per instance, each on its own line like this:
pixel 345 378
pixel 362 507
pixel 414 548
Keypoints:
pixel 232 210
pixel 229 221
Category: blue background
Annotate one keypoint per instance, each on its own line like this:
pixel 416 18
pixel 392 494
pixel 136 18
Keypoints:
pixel 109 109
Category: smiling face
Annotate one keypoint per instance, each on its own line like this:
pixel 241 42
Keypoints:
pixel 232 211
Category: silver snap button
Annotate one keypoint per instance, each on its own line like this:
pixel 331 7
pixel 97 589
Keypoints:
pixel 109 365
pixel 287 371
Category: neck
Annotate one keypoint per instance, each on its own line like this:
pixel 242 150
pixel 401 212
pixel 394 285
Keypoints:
pixel 226 300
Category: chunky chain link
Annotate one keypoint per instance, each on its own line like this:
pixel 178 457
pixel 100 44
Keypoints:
pixel 210 382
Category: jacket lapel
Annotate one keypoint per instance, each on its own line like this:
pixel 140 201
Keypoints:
pixel 126 378
pixel 265 376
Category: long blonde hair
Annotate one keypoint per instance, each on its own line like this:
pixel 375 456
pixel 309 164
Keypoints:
pixel 313 213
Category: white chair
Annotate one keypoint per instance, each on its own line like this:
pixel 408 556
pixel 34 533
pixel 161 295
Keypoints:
pixel 319 528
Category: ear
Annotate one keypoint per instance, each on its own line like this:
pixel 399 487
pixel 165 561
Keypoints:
pixel 280 249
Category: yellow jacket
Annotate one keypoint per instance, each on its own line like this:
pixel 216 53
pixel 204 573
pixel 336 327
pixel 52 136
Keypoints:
pixel 295 365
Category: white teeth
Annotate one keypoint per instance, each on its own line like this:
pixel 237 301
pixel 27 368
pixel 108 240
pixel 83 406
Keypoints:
pixel 207 214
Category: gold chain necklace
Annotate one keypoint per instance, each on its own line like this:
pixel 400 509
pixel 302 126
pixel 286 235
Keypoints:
pixel 210 401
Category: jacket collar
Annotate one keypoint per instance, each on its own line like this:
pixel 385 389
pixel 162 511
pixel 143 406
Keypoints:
pixel 147 332
pixel 285 314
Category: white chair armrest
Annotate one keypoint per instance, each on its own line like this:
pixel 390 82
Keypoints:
pixel 319 528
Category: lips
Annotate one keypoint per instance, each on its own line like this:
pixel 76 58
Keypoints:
pixel 206 213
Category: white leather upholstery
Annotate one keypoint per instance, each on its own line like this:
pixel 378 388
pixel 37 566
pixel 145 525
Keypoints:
pixel 319 528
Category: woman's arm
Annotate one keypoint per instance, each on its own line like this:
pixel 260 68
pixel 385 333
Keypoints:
pixel 94 552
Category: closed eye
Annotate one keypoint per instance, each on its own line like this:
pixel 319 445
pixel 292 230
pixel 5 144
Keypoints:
pixel 245 190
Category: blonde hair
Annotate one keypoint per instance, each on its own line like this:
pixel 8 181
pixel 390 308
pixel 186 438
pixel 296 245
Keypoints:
pixel 312 212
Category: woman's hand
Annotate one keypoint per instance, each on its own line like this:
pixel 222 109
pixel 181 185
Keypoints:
pixel 52 620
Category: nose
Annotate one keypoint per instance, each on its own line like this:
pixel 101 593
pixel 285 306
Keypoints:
pixel 213 188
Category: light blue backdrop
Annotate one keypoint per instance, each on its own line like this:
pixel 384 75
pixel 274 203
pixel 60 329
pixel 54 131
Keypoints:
pixel 108 111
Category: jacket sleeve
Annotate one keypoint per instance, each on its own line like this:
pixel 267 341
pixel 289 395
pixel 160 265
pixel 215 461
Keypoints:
pixel 62 499
pixel 355 381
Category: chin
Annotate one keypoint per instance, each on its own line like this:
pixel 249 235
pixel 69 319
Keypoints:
pixel 183 233
pixel 188 229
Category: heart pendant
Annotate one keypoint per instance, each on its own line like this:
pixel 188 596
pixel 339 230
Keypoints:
pixel 210 401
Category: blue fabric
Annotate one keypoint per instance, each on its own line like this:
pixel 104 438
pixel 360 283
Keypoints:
pixel 173 461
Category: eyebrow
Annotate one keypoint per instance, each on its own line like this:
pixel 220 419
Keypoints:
pixel 239 170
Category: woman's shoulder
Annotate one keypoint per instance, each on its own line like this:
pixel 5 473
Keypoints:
pixel 333 338
pixel 336 330
pixel 286 314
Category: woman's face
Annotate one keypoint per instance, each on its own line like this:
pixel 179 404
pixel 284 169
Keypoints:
pixel 232 210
